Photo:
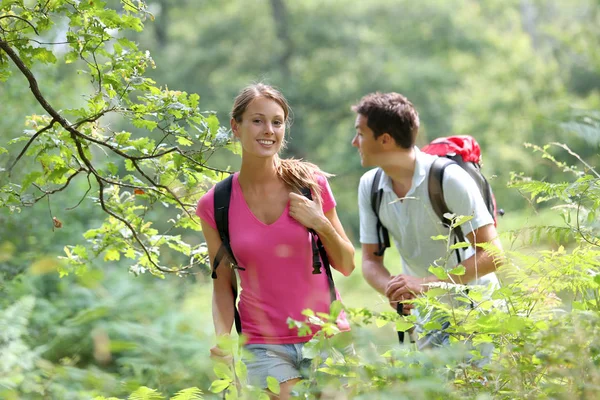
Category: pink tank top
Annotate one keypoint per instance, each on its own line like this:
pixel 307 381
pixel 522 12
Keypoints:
pixel 277 282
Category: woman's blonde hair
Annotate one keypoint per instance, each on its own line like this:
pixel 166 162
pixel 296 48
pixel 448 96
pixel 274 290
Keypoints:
pixel 295 173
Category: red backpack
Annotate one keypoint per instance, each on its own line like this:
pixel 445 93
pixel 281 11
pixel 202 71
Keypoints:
pixel 460 149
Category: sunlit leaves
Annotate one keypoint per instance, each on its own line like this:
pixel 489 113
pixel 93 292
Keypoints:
pixel 152 162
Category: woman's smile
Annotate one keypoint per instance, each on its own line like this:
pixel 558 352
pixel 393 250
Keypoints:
pixel 266 142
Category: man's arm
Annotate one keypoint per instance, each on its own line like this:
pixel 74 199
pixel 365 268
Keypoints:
pixel 483 261
pixel 480 264
pixel 373 269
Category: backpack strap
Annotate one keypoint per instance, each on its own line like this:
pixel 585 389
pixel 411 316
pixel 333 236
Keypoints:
pixel 319 253
pixel 436 196
pixel 222 196
pixel 383 236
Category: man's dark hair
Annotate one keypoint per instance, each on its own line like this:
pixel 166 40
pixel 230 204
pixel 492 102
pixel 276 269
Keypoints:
pixel 390 113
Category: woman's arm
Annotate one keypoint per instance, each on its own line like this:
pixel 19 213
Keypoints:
pixel 222 300
pixel 339 248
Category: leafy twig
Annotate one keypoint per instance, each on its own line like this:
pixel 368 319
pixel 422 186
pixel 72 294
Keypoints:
pixel 21 19
pixel 29 142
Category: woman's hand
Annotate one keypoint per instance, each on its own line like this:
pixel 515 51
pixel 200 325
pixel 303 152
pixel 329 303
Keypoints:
pixel 309 213
pixel 219 355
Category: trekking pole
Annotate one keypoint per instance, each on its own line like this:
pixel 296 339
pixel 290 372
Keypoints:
pixel 399 310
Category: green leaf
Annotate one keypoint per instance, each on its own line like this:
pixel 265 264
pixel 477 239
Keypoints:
pixel 311 349
pixel 403 326
pixel 461 220
pixel 184 141
pixel 435 292
pixel 514 324
pixel 44 55
pixel 432 325
pixel 439 272
pixel 213 124
pixel 122 345
pixel 459 245
pixel 502 293
pixel 71 56
pixel 219 385
pixel 380 322
pixel 331 371
pixel 112 168
pixel 59 175
pixel 129 165
pixel 145 124
pixel 335 309
pixel 4 75
pixel 222 371
pixel 122 137
pixel 273 385
pixel 29 179
pixel 112 255
pixel 439 237
pixel 241 370
pixel 458 270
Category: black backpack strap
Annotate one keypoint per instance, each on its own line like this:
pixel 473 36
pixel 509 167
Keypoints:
pixel 222 197
pixel 319 255
pixel 436 196
pixel 383 236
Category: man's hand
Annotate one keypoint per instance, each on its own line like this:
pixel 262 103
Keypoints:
pixel 404 287
pixel 406 307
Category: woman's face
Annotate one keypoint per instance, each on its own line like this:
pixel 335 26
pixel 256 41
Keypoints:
pixel 261 131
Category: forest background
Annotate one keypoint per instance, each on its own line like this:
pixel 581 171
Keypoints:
pixel 507 72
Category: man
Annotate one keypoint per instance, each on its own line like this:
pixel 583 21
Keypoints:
pixel 387 125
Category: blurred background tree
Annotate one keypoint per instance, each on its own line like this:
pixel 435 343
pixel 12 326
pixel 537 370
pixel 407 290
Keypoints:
pixel 506 72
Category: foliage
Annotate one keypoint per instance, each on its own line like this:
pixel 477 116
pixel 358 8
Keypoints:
pixel 162 163
pixel 537 332
pixel 127 156
pixel 98 333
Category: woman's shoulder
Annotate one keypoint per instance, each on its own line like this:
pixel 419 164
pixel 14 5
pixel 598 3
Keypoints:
pixel 206 207
pixel 210 193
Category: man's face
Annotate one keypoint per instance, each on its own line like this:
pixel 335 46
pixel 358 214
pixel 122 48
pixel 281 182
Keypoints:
pixel 364 140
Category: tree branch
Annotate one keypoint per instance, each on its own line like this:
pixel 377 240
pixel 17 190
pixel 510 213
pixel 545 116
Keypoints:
pixel 60 189
pixel 183 207
pixel 84 195
pixel 77 137
pixel 21 19
pixel 100 181
pixel 29 142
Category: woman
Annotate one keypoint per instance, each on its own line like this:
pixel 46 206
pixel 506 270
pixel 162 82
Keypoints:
pixel 268 225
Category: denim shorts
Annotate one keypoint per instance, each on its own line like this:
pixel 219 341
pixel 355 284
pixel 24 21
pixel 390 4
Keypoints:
pixel 283 362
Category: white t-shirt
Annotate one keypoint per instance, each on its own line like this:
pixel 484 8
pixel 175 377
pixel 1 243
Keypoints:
pixel 412 222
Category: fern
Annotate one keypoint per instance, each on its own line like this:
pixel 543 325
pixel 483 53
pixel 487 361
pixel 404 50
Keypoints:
pixel 145 393
pixel 14 320
pixel 192 393
pixel 15 355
